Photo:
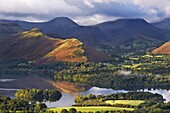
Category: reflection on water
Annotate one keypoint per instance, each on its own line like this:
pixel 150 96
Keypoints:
pixel 164 93
pixel 7 80
pixel 8 93
pixel 68 99
pixel 5 89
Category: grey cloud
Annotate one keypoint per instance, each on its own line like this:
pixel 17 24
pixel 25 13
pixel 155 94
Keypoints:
pixel 38 9
pixel 118 9
pixel 83 10
pixel 109 8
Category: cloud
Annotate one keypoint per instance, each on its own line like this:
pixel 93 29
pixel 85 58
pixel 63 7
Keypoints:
pixel 84 11
pixel 96 11
pixel 167 9
pixel 120 8
pixel 37 8
pixel 94 19
pixel 155 10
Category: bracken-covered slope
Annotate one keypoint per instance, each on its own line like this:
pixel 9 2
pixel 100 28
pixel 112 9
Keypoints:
pixel 164 49
pixel 34 45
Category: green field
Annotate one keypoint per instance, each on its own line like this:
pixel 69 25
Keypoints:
pixel 129 102
pixel 93 109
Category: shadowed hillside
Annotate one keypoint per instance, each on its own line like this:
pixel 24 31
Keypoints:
pixel 164 49
pixel 34 45
pixel 164 24
pixel 7 28
pixel 125 31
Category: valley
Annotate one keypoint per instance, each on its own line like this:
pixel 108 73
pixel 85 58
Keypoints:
pixel 104 59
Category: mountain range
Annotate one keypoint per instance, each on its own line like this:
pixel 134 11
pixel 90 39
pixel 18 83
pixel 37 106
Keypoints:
pixel 124 31
pixel 121 31
pixel 61 39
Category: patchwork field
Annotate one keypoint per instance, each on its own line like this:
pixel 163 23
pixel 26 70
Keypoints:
pixel 129 102
pixel 92 109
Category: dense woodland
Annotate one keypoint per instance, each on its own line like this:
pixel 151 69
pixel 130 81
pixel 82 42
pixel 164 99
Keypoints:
pixel 29 100
pixel 93 100
pixel 154 103
pixel 147 107
pixel 131 73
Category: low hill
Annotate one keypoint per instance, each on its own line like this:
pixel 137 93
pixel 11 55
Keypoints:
pixel 8 28
pixel 34 45
pixel 164 49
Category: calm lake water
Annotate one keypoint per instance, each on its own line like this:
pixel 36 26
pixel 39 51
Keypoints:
pixel 68 99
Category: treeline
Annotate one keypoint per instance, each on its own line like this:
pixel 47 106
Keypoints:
pixel 147 107
pixel 99 100
pixel 73 110
pixel 8 105
pixel 104 75
pixel 150 107
pixel 38 95
pixel 29 100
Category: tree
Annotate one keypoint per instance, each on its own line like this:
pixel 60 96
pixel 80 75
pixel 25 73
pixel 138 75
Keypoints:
pixel 38 95
pixel 64 111
pixel 53 95
pixel 72 110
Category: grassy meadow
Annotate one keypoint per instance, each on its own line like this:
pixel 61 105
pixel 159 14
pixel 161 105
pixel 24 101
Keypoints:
pixel 92 109
pixel 129 102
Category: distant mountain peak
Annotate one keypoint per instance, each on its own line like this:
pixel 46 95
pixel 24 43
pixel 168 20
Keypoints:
pixel 133 19
pixel 63 21
pixel 138 20
pixel 62 18
pixel 122 22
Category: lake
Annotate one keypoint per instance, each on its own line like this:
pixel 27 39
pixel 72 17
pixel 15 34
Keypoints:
pixel 68 99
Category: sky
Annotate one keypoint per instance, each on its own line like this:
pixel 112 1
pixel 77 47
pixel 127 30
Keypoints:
pixel 84 12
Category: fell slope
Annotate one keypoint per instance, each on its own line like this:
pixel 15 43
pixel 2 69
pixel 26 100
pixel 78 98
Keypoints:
pixel 164 24
pixel 34 45
pixel 125 31
pixel 164 49
pixel 8 28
